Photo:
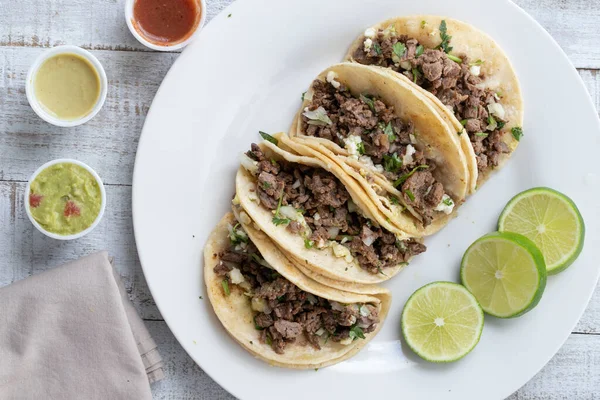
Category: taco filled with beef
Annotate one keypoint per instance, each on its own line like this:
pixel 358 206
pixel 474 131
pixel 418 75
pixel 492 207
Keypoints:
pixel 390 139
pixel 321 224
pixel 463 72
pixel 274 311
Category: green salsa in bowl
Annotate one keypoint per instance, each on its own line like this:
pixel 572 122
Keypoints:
pixel 65 199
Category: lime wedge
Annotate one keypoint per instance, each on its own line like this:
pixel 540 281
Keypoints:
pixel 551 220
pixel 506 273
pixel 442 322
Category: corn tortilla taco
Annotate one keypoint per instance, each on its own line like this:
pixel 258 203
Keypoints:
pixel 274 311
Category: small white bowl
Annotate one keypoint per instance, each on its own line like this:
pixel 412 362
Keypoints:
pixel 170 47
pixel 40 110
pixel 54 235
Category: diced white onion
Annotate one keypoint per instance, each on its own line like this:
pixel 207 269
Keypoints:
pixel 342 251
pixel 367 44
pixel 260 305
pixel 352 207
pixel 496 109
pixel 317 216
pixel 244 218
pixel 406 65
pixel 445 208
pixel 407 159
pixel 308 96
pixel 320 332
pixel 346 342
pixel 413 139
pixel 475 70
pixel 370 33
pixel 236 276
pixel 249 164
pixel 296 184
pixel 369 239
pixel 289 212
pixel 364 310
pixel 336 306
pixel 331 75
pixel 333 232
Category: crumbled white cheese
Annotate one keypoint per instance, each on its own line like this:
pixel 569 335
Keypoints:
pixel 366 160
pixel 368 43
pixel 407 159
pixel 370 33
pixel 445 208
pixel 352 142
pixel 331 75
pixel 475 70
pixel 236 276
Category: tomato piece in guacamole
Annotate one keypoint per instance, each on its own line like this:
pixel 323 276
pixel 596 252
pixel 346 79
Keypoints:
pixel 65 199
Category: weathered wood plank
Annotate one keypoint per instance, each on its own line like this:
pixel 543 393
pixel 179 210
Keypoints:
pixel 25 251
pixel 108 142
pixel 573 24
pixel 100 25
pixel 95 25
pixel 571 374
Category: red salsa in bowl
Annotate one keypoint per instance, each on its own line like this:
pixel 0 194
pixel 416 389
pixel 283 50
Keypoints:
pixel 166 22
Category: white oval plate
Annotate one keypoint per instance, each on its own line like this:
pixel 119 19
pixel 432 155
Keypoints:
pixel 246 73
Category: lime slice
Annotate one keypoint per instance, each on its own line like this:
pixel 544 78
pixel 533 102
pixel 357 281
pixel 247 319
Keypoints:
pixel 442 322
pixel 506 273
pixel 551 220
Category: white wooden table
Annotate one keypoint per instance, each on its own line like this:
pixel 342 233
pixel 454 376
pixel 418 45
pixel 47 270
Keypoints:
pixel 109 142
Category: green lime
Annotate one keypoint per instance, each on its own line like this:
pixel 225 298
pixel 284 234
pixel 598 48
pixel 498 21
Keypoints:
pixel 442 322
pixel 551 220
pixel 506 273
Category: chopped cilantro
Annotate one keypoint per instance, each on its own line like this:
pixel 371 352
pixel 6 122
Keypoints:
pixel 445 45
pixel 273 162
pixel 404 177
pixel 420 49
pixel 303 96
pixel 229 16
pixel 225 284
pixel 237 236
pixel 410 194
pixel 281 298
pixel 309 243
pixel 280 221
pixel 476 62
pixel 399 49
pixel 463 122
pixel 258 328
pixel 481 134
pixel 500 124
pixel 392 163
pixel 459 133
pixel 492 124
pixel 377 48
pixel 369 102
pixel 268 339
pixel 200 297
pixel 256 257
pixel 416 74
pixel 517 132
pixel 394 200
pixel 379 270
pixel 389 131
pixel 448 201
pixel 266 185
pixel 316 369
pixel 360 147
pixel 423 23
pixel 276 219
pixel 356 332
pixel 454 58
pixel 268 137
pixel 401 246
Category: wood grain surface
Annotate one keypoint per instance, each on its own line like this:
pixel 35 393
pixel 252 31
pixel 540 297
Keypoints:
pixel 108 143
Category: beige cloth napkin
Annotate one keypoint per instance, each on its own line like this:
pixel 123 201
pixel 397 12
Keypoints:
pixel 72 333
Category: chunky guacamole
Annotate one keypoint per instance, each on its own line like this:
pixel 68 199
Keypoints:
pixel 65 199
